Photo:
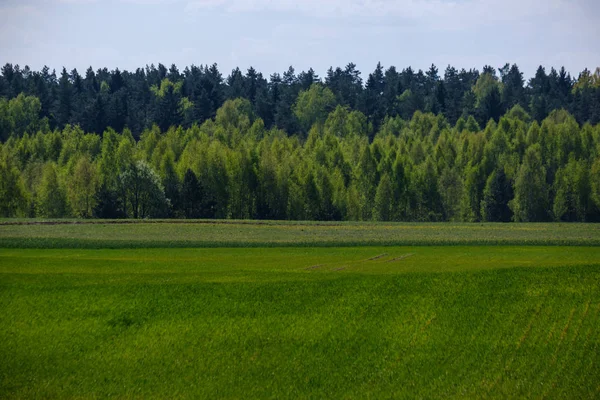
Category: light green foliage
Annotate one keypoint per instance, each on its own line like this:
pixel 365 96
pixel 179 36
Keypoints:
pixel 216 177
pixel 72 138
pixel 82 187
pixel 186 109
pixel 234 120
pixel 595 182
pixel 243 181
pixel 144 193
pixel 13 195
pixel 275 186
pixel 313 105
pixel 342 122
pixel 572 186
pixel 408 103
pixel 20 115
pixel 451 189
pixel 336 123
pixel 108 167
pixel 165 86
pixel 436 172
pixel 170 105
pixel 471 197
pixel 384 200
pixel 472 125
pixel 147 144
pixel 587 80
pixel 531 193
pixel 170 180
pixel 52 199
pixel 485 84
pixel 367 176
pixel 104 87
pixel 518 113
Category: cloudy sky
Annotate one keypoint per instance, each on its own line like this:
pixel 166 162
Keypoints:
pixel 273 34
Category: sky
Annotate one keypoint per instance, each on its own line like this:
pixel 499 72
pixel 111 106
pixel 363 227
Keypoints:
pixel 271 35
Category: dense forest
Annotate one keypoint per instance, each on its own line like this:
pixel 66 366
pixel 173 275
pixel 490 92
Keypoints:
pixel 168 97
pixel 402 146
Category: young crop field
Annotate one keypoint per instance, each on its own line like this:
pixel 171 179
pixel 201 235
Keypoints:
pixel 380 311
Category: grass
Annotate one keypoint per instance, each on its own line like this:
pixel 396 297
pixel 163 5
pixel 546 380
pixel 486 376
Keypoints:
pixel 301 322
pixel 194 234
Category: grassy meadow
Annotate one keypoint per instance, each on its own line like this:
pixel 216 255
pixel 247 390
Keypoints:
pixel 223 233
pixel 359 317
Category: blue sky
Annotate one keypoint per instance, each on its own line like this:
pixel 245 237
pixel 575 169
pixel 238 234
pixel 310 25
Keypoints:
pixel 273 34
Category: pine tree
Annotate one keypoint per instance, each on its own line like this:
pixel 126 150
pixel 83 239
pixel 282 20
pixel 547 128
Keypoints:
pixel 65 106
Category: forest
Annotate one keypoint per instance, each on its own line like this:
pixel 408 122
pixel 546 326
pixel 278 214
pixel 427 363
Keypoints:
pixel 401 146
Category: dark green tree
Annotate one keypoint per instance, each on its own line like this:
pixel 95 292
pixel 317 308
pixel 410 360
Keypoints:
pixel 191 195
pixel 497 194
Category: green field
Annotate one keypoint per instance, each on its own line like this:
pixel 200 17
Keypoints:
pixel 169 233
pixel 337 321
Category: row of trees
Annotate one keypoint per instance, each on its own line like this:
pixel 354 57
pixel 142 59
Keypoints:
pixel 167 97
pixel 235 166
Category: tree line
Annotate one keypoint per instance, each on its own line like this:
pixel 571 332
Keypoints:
pixel 44 100
pixel 235 165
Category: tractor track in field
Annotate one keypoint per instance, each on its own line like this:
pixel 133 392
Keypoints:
pixel 377 257
pixel 315 267
pixel 401 257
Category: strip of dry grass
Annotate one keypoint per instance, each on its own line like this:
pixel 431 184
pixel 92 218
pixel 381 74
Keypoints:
pixel 181 234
